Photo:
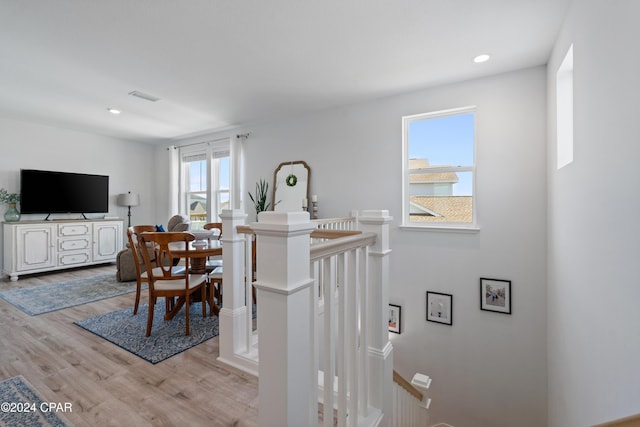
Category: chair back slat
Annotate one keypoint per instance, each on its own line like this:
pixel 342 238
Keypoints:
pixel 161 241
pixel 132 236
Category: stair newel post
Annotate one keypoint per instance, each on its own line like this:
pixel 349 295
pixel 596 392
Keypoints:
pixel 232 317
pixel 285 304
pixel 380 376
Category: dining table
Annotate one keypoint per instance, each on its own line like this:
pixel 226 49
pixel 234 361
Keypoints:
pixel 197 251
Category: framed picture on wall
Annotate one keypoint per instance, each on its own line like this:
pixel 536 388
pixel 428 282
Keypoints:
pixel 395 318
pixel 440 308
pixel 495 295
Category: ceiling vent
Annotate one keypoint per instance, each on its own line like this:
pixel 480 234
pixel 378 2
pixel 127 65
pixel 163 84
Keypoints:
pixel 144 96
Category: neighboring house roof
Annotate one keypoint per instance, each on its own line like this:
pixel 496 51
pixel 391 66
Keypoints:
pixel 429 177
pixel 441 208
pixel 198 208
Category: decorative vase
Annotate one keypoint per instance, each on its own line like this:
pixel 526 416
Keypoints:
pixel 12 214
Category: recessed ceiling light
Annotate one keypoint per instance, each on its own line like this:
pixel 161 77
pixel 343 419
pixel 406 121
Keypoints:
pixel 481 58
pixel 113 110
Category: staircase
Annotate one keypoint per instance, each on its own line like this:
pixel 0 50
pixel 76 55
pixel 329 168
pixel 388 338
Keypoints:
pixel 631 421
pixel 411 401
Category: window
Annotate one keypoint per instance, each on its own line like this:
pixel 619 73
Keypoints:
pixel 439 169
pixel 205 188
pixel 564 104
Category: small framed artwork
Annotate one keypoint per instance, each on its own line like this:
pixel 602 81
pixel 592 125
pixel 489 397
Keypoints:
pixel 440 308
pixel 495 295
pixel 395 318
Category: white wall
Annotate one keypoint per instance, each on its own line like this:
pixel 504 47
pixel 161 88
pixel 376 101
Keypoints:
pixel 32 146
pixel 594 232
pixel 489 369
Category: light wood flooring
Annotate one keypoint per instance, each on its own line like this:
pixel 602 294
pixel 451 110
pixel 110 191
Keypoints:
pixel 108 386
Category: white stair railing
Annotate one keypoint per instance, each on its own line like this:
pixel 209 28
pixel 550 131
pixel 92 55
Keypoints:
pixel 339 306
pixel 346 223
pixel 339 268
pixel 356 359
pixel 411 401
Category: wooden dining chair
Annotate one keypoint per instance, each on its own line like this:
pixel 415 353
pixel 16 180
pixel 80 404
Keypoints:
pixel 215 276
pixel 254 266
pixel 164 281
pixel 214 261
pixel 214 226
pixel 215 287
pixel 141 271
pixel 214 265
pixel 141 274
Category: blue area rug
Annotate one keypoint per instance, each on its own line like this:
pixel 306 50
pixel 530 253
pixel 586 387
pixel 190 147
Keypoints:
pixel 56 296
pixel 167 337
pixel 21 406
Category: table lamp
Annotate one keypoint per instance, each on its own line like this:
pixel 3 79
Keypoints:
pixel 128 200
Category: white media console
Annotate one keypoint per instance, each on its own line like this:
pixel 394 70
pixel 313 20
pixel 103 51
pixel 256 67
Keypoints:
pixel 38 246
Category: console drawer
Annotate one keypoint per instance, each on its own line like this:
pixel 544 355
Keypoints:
pixel 74 258
pixel 65 230
pixel 67 245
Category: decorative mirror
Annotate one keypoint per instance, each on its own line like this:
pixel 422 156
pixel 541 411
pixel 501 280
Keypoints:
pixel 291 186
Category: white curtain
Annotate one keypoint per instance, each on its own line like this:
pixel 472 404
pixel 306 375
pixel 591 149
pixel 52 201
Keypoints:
pixel 174 181
pixel 237 172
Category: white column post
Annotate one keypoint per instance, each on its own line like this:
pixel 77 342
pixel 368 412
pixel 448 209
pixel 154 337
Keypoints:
pixel 285 307
pixel 380 348
pixel 232 317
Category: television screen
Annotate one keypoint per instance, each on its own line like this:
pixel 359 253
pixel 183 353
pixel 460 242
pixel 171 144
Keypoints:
pixel 62 192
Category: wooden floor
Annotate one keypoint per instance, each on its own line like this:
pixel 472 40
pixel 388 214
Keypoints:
pixel 108 386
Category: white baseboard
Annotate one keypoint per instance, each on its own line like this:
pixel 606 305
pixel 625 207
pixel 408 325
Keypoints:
pixel 442 425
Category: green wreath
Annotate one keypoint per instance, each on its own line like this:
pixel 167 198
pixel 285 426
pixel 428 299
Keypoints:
pixel 291 180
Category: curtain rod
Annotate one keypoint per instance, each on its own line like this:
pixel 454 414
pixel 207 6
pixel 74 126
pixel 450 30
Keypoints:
pixel 244 135
pixel 197 143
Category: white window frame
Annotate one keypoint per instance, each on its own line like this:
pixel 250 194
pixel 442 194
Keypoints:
pixel 216 188
pixel 440 226
pixel 211 152
pixel 564 111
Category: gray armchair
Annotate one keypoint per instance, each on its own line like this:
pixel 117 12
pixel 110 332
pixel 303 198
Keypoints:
pixel 179 223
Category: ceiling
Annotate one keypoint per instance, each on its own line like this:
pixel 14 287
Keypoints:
pixel 218 64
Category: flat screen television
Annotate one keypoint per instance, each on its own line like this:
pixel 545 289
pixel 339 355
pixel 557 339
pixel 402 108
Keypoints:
pixel 47 192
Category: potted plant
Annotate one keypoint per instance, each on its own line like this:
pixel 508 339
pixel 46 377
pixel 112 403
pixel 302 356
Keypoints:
pixel 11 199
pixel 260 198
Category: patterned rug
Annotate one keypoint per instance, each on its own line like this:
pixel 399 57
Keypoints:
pixel 167 337
pixel 56 296
pixel 21 406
